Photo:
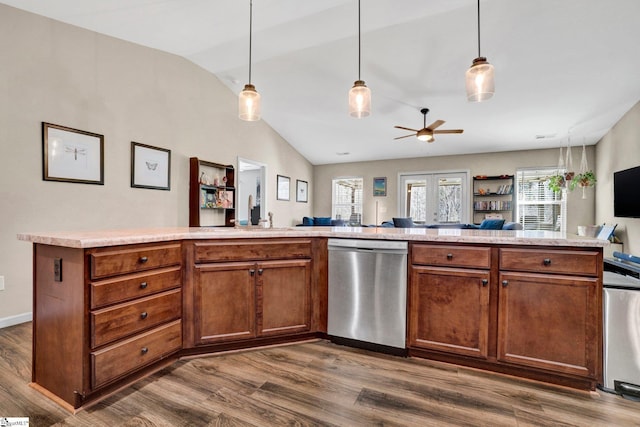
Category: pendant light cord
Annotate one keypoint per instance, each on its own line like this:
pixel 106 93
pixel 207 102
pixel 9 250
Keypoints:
pixel 479 29
pixel 359 43
pixel 250 34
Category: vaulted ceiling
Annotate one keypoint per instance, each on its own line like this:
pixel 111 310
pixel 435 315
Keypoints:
pixel 563 68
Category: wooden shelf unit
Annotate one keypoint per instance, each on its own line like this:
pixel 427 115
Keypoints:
pixel 211 203
pixel 497 196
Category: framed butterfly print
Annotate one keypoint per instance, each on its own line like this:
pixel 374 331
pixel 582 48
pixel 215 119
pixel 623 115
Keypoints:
pixel 150 167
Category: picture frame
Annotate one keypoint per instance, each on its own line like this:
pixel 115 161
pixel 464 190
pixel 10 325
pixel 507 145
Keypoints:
pixel 72 155
pixel 302 191
pixel 150 167
pixel 379 186
pixel 283 184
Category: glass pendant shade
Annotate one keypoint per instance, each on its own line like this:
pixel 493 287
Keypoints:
pixel 479 80
pixel 359 100
pixel 249 104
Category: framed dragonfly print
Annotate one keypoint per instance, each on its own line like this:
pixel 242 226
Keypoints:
pixel 150 167
pixel 72 155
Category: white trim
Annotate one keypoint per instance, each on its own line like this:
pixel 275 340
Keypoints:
pixel 15 320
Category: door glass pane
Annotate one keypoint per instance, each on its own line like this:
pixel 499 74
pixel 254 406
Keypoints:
pixel 449 200
pixel 416 200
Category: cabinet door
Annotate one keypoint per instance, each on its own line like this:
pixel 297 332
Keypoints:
pixel 284 297
pixel 224 302
pixel 549 322
pixel 449 310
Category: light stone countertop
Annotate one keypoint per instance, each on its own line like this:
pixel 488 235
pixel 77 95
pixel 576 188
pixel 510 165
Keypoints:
pixel 100 238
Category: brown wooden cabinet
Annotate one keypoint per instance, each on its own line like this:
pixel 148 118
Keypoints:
pixel 246 290
pixel 211 194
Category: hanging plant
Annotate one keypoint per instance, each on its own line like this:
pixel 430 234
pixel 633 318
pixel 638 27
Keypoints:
pixel 569 174
pixel 586 179
pixel 556 183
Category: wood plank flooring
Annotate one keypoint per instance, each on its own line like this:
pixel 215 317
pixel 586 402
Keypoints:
pixel 312 384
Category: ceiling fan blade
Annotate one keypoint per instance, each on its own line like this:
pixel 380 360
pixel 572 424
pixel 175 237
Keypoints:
pixel 402 127
pixel 435 124
pixel 449 131
pixel 406 136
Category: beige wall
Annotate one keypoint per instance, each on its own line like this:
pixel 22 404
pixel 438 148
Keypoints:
pixel 61 74
pixel 580 212
pixel 618 150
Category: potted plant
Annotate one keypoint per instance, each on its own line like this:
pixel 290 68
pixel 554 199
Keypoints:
pixel 585 179
pixel 556 182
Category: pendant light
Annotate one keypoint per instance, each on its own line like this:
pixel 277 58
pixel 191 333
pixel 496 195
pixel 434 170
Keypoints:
pixel 360 94
pixel 479 77
pixel 249 98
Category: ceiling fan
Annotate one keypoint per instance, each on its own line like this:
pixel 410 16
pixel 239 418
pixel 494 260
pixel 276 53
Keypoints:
pixel 427 132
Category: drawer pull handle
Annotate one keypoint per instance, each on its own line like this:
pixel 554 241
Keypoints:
pixel 143 315
pixel 252 272
pixel 260 271
pixel 143 259
pixel 144 350
pixel 449 256
pixel 547 261
pixel 505 283
pixel 485 282
pixel 143 285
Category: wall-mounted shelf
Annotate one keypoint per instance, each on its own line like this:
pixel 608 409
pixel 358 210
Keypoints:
pixel 211 194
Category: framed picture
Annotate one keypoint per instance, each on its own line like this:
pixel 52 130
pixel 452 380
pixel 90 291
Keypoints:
pixel 302 191
pixel 283 187
pixel 72 155
pixel 379 186
pixel 150 167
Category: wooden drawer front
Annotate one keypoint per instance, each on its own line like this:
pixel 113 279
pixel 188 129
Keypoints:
pixel 134 286
pixel 111 263
pixel 451 256
pixel 110 324
pixel 126 356
pixel 251 250
pixel 550 261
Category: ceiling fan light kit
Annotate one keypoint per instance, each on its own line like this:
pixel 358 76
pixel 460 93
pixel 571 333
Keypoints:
pixel 360 94
pixel 480 76
pixel 427 133
pixel 249 98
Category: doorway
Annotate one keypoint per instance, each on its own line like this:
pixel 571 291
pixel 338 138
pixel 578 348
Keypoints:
pixel 251 205
pixel 435 198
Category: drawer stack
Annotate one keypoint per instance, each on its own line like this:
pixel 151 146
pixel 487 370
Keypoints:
pixel 135 308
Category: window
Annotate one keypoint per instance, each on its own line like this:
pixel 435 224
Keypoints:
pixel 538 207
pixel 347 200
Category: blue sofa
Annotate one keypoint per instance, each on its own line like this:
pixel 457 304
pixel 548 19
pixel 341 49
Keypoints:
pixel 487 224
pixel 325 221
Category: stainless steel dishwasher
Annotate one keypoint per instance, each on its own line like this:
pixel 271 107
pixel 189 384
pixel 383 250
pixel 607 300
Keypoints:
pixel 368 293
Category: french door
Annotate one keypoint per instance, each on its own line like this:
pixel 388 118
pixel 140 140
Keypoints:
pixel 435 198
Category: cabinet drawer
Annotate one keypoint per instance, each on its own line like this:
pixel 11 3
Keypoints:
pixel 584 263
pixel 252 250
pixel 110 324
pixel 451 256
pixel 123 261
pixel 134 286
pixel 126 356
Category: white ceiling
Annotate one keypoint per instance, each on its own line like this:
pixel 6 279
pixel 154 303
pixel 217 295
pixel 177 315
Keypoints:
pixel 562 66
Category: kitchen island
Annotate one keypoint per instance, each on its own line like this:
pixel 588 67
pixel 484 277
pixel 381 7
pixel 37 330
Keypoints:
pixel 111 307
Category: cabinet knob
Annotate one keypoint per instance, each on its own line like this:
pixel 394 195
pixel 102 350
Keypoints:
pixel 547 261
pixel 505 283
pixel 485 282
pixel 143 285
pixel 143 259
pixel 252 272
pixel 144 350
pixel 143 315
pixel 260 271
pixel 449 256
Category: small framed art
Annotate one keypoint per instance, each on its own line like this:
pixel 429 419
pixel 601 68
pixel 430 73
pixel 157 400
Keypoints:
pixel 72 155
pixel 283 187
pixel 302 191
pixel 379 186
pixel 150 167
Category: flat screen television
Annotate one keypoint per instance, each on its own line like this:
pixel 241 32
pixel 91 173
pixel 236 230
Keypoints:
pixel 626 193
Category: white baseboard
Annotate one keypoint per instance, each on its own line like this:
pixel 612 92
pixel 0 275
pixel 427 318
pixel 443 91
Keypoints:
pixel 15 320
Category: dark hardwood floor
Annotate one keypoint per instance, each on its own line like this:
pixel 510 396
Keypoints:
pixel 312 384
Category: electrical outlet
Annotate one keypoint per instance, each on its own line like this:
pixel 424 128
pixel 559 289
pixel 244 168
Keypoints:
pixel 1 283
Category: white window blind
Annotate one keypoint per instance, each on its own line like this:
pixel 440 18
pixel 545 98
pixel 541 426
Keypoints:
pixel 347 200
pixel 538 207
